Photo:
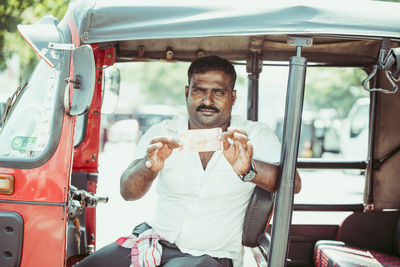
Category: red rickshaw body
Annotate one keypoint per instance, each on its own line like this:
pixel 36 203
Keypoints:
pixel 40 198
pixel 41 194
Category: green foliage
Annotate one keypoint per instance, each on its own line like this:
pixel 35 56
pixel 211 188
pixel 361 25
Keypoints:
pixel 336 88
pixel 14 12
pixel 10 15
pixel 159 82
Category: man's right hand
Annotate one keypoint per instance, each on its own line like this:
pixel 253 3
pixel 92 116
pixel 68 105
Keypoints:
pixel 159 149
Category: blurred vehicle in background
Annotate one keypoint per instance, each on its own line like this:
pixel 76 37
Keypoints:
pixel 354 135
pixel 152 114
pixel 327 127
pixel 310 145
pixel 129 127
pixel 109 120
pixel 123 131
pixel 320 133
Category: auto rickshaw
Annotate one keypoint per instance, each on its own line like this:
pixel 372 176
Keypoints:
pixel 49 143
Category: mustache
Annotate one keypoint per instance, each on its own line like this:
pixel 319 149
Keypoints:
pixel 202 106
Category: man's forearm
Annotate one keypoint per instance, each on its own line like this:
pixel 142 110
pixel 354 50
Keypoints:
pixel 267 177
pixel 136 180
pixel 297 183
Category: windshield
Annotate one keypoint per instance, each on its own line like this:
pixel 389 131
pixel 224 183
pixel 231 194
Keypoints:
pixel 26 133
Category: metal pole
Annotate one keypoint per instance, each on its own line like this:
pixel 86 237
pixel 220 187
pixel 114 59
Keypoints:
pixel 252 105
pixel 252 98
pixel 369 197
pixel 290 140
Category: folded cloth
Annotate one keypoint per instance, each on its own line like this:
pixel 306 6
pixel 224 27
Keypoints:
pixel 146 251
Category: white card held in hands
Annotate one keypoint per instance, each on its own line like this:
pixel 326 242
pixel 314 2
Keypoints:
pixel 201 140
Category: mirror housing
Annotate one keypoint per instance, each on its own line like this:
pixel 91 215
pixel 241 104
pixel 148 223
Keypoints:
pixel 83 82
pixel 111 89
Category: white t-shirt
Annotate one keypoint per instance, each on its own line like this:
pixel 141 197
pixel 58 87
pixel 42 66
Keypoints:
pixel 202 211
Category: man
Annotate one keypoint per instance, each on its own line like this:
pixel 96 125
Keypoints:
pixel 202 196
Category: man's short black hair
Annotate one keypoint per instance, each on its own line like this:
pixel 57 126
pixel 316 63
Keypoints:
pixel 207 63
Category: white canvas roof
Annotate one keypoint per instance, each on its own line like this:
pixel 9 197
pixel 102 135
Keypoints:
pixel 104 21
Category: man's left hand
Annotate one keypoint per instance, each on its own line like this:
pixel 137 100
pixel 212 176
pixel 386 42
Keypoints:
pixel 239 151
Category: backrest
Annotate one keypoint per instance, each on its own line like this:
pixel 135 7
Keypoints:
pixel 373 230
pixel 258 214
pixel 386 185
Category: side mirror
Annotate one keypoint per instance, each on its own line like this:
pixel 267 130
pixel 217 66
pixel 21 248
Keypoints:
pixel 111 88
pixel 83 82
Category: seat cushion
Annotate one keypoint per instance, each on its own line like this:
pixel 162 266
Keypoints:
pixel 337 253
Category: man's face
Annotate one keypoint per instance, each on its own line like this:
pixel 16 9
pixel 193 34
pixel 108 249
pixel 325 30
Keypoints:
pixel 209 100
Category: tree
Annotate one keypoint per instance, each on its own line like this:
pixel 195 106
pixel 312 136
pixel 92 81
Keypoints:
pixel 14 12
pixel 337 88
pixel 10 15
pixel 160 82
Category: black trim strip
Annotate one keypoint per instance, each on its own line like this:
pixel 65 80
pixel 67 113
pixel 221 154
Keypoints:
pixel 61 204
pixel 93 176
pixel 330 164
pixel 329 207
pixel 307 239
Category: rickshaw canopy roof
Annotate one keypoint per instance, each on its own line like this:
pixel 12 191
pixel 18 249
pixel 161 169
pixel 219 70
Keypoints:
pixel 343 32
pixel 104 21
